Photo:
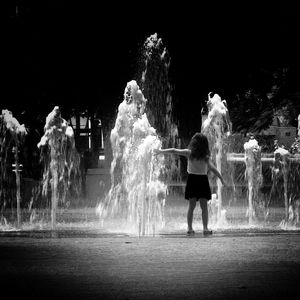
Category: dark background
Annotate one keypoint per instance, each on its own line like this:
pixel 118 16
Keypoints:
pixel 70 53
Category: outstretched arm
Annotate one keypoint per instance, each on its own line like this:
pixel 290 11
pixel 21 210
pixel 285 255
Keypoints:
pixel 183 152
pixel 215 171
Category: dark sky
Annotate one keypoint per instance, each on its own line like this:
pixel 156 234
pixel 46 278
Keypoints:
pixel 60 52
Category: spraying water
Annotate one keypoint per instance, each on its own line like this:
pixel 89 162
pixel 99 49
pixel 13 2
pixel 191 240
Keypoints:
pixel 294 178
pixel 156 86
pixel 136 198
pixel 282 169
pixel 253 175
pixel 12 135
pixel 61 160
pixel 217 127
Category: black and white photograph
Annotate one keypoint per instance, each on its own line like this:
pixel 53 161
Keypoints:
pixel 150 150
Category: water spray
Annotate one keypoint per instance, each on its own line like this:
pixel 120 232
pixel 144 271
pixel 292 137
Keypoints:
pixel 217 127
pixel 157 88
pixel 61 160
pixel 253 175
pixel 281 168
pixel 137 195
pixel 12 134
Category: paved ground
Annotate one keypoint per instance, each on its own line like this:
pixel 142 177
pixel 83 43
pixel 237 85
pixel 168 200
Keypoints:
pixel 93 265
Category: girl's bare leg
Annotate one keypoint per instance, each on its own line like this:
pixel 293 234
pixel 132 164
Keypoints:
pixel 203 204
pixel 190 213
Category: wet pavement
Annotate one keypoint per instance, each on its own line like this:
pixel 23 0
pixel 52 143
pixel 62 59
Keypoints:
pixel 93 264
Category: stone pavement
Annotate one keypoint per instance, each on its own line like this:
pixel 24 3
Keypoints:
pixel 228 265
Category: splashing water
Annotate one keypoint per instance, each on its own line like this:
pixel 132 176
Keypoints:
pixel 217 127
pixel 282 168
pixel 12 124
pixel 253 175
pixel 61 159
pixel 136 199
pixel 285 174
pixel 155 85
pixel 12 135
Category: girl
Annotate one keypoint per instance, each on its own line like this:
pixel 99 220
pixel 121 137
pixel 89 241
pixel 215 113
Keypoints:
pixel 197 186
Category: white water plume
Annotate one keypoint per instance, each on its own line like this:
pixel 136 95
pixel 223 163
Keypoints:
pixel 135 201
pixel 217 127
pixel 61 160
pixel 157 88
pixel 253 176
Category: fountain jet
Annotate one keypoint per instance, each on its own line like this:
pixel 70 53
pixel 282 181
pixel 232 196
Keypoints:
pixel 217 127
pixel 157 89
pixel 253 175
pixel 11 135
pixel 61 159
pixel 136 196
pixel 281 168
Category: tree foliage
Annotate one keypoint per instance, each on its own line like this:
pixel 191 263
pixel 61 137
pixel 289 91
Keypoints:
pixel 266 94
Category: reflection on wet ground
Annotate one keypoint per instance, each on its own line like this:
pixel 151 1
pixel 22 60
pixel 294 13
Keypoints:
pixel 77 233
pixel 83 223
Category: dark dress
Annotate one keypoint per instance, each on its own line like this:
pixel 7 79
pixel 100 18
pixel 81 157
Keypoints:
pixel 197 186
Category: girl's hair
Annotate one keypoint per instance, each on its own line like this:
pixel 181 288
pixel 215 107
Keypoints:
pixel 199 146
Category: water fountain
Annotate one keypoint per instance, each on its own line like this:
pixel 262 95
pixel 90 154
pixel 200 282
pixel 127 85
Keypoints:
pixel 157 88
pixel 286 169
pixel 132 194
pixel 253 175
pixel 11 138
pixel 137 195
pixel 217 128
pixel 12 135
pixel 61 160
pixel 285 181
pixel 145 121
pixel 281 168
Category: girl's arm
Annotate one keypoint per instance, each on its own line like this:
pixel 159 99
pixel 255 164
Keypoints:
pixel 183 152
pixel 212 168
